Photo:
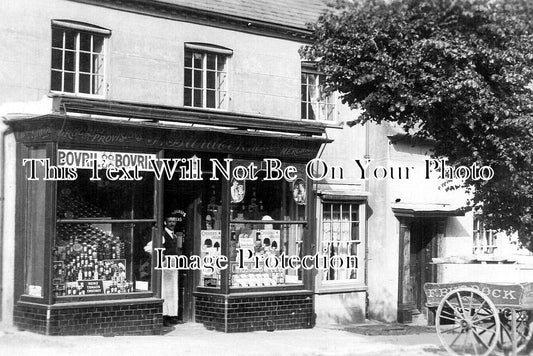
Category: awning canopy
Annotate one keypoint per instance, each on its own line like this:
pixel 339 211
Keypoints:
pixel 429 210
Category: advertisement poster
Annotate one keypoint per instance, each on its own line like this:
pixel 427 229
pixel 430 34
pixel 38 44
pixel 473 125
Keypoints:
pixel 243 177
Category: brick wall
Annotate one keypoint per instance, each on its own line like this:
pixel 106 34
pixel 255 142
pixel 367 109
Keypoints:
pixel 250 313
pixel 130 317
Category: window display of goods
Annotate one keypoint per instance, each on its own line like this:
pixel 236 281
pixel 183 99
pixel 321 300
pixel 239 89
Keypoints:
pixel 71 206
pixel 83 253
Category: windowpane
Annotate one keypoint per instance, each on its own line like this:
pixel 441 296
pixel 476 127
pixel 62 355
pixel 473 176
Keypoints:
pixel 221 81
pixel 98 44
pixel 221 99
pixel 197 60
pixel 106 199
pixel 304 110
pixel 70 39
pixel 56 81
pixel 304 93
pixel 198 79
pixel 211 61
pixel 68 83
pixel 187 100
pixel 85 62
pixel 85 41
pixel 310 112
pixel 98 84
pixel 265 241
pixel 198 98
pixel 101 258
pixel 188 78
pixel 210 97
pixel 188 59
pixel 57 38
pixel 57 59
pixel 221 63
pixel 210 80
pixel 85 83
pixel 98 64
pixel 70 60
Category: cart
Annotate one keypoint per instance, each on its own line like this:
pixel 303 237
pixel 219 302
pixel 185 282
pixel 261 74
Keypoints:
pixel 478 319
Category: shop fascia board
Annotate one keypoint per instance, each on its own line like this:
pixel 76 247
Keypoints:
pixel 67 105
pixel 26 121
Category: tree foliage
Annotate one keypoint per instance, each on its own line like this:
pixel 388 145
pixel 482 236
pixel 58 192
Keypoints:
pixel 458 72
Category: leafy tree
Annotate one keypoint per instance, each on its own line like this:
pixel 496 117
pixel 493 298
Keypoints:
pixel 458 72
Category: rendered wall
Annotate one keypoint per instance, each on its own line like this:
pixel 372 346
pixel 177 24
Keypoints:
pixel 145 62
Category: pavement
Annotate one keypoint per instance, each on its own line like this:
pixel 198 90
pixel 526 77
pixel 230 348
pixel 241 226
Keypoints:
pixel 194 339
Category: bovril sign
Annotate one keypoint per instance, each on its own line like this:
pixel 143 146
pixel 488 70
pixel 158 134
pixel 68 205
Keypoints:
pixel 500 294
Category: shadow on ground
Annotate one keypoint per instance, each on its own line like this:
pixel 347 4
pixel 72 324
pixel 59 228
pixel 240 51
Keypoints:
pixel 390 329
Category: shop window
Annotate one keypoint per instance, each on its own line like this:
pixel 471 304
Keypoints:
pixel 102 229
pixel 211 233
pixel 316 104
pixel 206 76
pixel 268 219
pixel 341 228
pixel 78 59
pixel 485 241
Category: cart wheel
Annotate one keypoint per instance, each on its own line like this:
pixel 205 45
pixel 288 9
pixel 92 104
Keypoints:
pixel 467 323
pixel 523 331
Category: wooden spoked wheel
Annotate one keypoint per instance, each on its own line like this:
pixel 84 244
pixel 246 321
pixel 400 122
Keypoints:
pixel 523 330
pixel 467 323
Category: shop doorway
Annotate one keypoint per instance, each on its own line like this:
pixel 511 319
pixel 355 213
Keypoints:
pixel 200 201
pixel 183 197
pixel 418 246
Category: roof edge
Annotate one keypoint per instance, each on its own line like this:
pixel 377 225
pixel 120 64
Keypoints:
pixel 206 17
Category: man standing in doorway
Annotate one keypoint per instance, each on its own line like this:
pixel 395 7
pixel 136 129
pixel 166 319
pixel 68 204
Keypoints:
pixel 169 284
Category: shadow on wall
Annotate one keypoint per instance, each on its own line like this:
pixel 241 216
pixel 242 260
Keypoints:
pixel 454 227
pixel 383 307
pixel 340 309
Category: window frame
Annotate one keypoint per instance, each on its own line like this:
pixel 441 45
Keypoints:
pixel 308 70
pixel 359 283
pixel 151 219
pixel 204 50
pixel 78 28
pixel 484 241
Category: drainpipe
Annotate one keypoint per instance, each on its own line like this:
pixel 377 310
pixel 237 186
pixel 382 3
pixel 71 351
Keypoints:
pixel 3 132
pixel 367 189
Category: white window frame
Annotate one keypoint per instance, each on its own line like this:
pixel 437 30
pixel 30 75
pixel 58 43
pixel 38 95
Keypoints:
pixel 345 284
pixel 484 241
pixel 204 50
pixel 319 101
pixel 78 28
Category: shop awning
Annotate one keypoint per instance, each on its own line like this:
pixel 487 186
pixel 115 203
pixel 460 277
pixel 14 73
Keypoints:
pixel 429 210
pixel 341 192
pixel 72 129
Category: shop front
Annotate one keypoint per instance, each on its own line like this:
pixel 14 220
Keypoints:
pixel 93 191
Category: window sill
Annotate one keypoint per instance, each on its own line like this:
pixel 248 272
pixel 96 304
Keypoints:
pixel 54 93
pixel 340 288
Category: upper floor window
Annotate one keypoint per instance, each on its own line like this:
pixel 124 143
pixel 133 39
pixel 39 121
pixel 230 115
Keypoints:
pixel 206 74
pixel 316 105
pixel 78 58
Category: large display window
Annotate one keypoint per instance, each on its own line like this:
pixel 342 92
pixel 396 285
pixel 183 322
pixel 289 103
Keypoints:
pixel 102 228
pixel 267 220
